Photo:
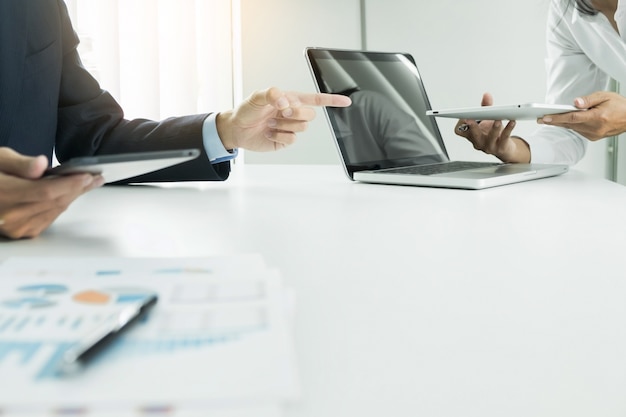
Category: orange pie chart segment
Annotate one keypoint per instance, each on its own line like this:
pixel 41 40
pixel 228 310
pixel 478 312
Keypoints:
pixel 92 297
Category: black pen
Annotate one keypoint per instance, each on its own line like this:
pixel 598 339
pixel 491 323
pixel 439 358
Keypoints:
pixel 79 354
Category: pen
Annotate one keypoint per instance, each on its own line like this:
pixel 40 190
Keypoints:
pixel 79 354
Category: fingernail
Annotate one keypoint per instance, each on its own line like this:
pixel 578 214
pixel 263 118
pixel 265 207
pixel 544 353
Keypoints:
pixel 272 123
pixel 547 119
pixel 288 112
pixel 579 102
pixel 87 179
pixel 282 103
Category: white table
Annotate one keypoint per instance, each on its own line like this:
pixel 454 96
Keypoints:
pixel 509 301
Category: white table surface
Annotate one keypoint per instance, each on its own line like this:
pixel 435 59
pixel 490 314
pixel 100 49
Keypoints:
pixel 509 301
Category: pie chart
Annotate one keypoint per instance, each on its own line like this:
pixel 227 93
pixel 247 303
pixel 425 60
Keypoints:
pixel 118 295
pixel 47 295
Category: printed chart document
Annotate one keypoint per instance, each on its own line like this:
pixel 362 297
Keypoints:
pixel 218 339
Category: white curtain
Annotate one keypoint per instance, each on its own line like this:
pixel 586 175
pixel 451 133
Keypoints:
pixel 160 58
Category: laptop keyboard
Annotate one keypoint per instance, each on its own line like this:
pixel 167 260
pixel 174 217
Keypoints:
pixel 440 168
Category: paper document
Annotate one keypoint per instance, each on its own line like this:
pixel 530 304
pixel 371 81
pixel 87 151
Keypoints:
pixel 217 337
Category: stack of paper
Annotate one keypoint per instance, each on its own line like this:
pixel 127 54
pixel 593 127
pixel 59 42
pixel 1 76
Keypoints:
pixel 218 339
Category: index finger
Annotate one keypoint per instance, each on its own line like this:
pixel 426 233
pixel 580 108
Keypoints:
pixel 275 97
pixel 324 99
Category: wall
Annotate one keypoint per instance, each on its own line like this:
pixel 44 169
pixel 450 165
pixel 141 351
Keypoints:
pixel 462 50
pixel 274 35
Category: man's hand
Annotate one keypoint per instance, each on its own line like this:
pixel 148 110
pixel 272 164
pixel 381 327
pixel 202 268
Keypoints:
pixel 604 115
pixel 270 119
pixel 491 137
pixel 29 203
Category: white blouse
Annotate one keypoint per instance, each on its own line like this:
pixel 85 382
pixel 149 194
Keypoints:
pixel 583 54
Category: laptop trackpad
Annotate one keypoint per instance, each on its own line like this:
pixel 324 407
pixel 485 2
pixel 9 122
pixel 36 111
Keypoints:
pixel 494 171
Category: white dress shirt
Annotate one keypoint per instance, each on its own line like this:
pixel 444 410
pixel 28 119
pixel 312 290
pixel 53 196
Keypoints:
pixel 583 54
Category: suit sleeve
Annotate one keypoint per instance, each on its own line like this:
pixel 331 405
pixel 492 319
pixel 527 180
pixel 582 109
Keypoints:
pixel 91 122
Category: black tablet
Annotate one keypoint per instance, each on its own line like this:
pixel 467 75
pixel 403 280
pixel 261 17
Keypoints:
pixel 121 166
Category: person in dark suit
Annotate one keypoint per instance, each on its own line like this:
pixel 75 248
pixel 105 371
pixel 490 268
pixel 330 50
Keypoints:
pixel 49 103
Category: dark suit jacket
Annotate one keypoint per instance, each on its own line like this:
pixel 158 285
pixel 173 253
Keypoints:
pixel 49 101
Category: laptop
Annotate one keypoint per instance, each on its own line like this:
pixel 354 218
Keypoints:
pixel 386 137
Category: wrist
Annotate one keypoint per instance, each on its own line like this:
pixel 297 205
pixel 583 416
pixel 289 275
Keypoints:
pixel 521 152
pixel 223 124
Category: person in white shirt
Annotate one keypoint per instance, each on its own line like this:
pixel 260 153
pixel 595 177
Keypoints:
pixel 586 48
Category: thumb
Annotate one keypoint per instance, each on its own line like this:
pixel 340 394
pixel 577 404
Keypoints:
pixel 592 100
pixel 22 166
pixel 487 100
pixel 272 96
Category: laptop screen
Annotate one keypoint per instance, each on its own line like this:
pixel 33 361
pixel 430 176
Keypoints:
pixel 386 126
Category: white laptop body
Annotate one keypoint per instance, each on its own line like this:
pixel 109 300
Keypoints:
pixel 386 137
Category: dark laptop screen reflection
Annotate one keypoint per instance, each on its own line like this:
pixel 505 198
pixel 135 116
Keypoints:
pixel 382 128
